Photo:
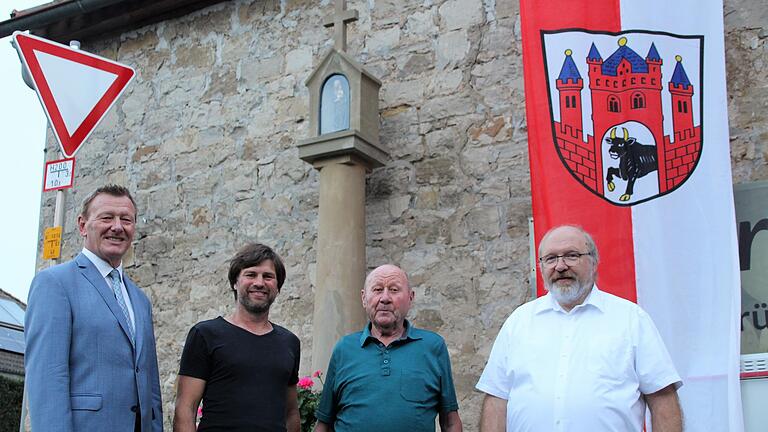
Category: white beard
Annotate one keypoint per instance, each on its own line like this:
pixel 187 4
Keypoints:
pixel 568 295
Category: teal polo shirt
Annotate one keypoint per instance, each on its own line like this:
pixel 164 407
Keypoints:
pixel 402 387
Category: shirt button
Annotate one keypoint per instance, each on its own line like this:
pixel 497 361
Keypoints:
pixel 133 408
pixel 137 369
pixel 386 361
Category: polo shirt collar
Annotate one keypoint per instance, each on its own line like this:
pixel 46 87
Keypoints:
pixel 596 299
pixel 102 266
pixel 407 335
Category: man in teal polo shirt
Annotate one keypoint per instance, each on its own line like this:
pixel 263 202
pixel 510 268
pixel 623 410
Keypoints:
pixel 390 376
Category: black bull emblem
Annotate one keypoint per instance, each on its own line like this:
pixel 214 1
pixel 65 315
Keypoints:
pixel 635 161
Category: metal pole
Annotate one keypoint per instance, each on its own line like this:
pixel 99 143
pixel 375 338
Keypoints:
pixel 58 220
pixel 58 216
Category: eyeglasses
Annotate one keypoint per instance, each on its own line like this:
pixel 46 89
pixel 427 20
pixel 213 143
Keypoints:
pixel 570 258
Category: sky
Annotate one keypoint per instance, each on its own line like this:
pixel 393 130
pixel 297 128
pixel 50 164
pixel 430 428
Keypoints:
pixel 22 142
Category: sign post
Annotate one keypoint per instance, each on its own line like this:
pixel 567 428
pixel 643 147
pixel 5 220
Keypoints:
pixel 76 90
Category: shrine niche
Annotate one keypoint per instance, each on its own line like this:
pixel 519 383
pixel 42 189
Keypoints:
pixel 334 104
pixel 344 112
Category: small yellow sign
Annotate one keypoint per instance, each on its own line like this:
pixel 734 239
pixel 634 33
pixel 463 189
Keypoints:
pixel 52 243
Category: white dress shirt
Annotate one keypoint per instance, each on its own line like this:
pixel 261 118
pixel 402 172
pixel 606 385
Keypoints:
pixel 583 370
pixel 105 269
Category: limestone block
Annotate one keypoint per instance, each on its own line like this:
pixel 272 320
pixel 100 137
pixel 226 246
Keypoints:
pixel 162 202
pixel 222 83
pixel 421 23
pixel 452 48
pixel 403 92
pixel 447 106
pixel 134 106
pixel 447 82
pixel 414 64
pixel 398 205
pixel 417 261
pixel 381 42
pixel 484 221
pixel 442 141
pixel 254 72
pixel 136 44
pixel 460 14
pixel 386 12
pixel 478 161
pixel 298 60
pixel 178 90
pixel 194 55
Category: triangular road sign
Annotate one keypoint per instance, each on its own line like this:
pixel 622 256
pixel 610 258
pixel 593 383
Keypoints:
pixel 76 88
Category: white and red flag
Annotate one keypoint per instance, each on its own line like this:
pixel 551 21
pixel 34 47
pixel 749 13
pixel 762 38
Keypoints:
pixel 628 137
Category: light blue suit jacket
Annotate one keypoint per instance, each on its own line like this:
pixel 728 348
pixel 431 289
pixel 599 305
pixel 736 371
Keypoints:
pixel 82 372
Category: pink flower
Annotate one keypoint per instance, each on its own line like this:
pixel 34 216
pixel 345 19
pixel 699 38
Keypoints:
pixel 200 411
pixel 317 373
pixel 306 383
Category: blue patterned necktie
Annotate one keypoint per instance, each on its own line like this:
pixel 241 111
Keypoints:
pixel 116 289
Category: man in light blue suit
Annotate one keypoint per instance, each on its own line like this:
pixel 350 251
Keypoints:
pixel 91 363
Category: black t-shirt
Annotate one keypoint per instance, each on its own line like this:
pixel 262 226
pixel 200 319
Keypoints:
pixel 246 375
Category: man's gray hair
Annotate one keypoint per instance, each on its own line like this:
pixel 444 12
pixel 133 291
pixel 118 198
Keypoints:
pixel 591 246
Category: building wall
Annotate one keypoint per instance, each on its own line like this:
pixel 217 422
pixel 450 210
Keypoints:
pixel 206 138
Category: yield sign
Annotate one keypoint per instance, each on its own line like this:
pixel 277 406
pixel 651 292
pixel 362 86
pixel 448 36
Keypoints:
pixel 76 88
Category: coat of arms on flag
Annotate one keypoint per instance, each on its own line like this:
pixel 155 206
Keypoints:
pixel 626 109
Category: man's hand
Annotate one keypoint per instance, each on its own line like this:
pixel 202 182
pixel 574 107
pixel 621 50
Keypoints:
pixel 323 427
pixel 188 397
pixel 493 418
pixel 666 415
pixel 292 419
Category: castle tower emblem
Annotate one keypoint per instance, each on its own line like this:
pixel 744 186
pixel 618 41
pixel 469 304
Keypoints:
pixel 632 131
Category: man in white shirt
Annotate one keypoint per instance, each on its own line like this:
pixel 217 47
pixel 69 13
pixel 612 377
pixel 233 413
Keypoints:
pixel 578 359
pixel 90 358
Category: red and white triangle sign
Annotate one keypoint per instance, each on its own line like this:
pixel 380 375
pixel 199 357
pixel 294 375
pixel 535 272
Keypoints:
pixel 76 88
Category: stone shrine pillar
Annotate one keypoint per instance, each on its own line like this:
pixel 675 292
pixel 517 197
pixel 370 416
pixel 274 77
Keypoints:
pixel 344 146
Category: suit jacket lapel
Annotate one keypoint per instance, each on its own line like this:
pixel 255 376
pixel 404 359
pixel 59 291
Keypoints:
pixel 138 313
pixel 98 282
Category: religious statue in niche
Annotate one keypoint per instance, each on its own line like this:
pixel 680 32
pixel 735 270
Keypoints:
pixel 334 104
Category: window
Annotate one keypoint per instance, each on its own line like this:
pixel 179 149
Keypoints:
pixel 638 100
pixel 613 104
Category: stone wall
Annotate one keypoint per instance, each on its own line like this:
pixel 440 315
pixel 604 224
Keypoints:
pixel 206 138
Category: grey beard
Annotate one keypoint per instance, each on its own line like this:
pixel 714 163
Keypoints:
pixel 568 295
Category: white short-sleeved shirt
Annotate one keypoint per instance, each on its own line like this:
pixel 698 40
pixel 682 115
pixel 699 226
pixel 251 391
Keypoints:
pixel 580 371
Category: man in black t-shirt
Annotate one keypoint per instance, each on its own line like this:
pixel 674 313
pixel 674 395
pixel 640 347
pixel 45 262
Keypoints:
pixel 243 367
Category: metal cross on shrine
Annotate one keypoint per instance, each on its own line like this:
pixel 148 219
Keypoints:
pixel 338 20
